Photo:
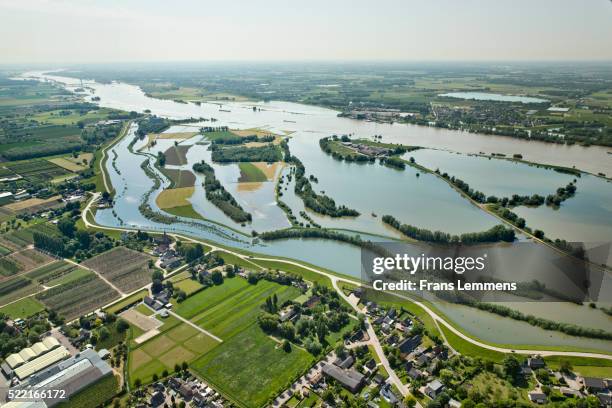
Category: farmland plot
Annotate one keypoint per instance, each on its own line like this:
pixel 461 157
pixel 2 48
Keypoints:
pixel 78 297
pixel 125 268
pixel 36 170
pixel 22 261
pixel 17 287
pixel 24 237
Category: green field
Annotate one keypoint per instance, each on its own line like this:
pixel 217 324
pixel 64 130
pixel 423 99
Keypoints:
pixel 130 300
pixel 465 347
pixel 240 309
pixel 251 368
pixel 189 286
pixel 23 308
pixel 186 211
pixel 177 342
pixel 250 173
pixel 260 370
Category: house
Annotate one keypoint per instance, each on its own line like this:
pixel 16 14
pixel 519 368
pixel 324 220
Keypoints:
pixel 346 363
pixel 371 364
pixel 349 379
pixel 388 394
pixel 569 392
pixel 392 313
pixel 605 400
pixel 312 301
pixel 157 399
pixel 526 371
pixel 423 360
pixel 287 314
pixel 185 391
pixel 414 373
pixel 378 379
pixel 434 388
pixel 409 344
pixel 175 383
pixel 170 263
pixel 149 301
pixel 537 397
pixel 594 385
pixel 535 363
pixel 391 340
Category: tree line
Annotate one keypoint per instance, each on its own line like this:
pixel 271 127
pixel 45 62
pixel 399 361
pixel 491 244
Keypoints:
pixel 495 234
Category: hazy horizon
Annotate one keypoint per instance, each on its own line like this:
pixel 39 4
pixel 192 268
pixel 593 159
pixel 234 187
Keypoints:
pixel 98 32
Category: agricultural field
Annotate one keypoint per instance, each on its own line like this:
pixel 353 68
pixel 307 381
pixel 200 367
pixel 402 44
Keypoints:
pixel 37 141
pixel 126 302
pixel 34 205
pixel 125 268
pixel 230 311
pixel 258 372
pixel 179 178
pixel 73 164
pixel 16 288
pixel 237 311
pixel 176 343
pixel 188 285
pixel 23 308
pixel 36 170
pixel 250 173
pixel 21 238
pixel 78 297
pixel 22 261
pixel 174 197
pixel 177 155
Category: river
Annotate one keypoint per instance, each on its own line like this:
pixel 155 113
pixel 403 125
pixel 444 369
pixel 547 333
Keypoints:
pixel 423 200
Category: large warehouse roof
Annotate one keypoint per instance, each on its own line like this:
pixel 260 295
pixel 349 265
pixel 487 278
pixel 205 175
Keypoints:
pixel 41 362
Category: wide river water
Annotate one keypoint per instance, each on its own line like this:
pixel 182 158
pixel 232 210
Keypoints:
pixel 372 189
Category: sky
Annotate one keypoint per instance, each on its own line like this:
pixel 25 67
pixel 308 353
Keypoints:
pixel 106 31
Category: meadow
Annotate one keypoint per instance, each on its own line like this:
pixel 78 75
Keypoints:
pixel 261 369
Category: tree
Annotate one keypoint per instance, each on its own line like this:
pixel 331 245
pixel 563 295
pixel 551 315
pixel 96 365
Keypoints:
pixel 137 383
pixel 287 330
pixel 217 277
pixel 512 367
pixel 122 325
pixel 103 333
pixel 84 238
pixel 410 401
pixel 177 368
pixel 184 365
pixel 230 272
pixel 66 227
pixel 157 286
pixel 566 367
pixel 286 346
